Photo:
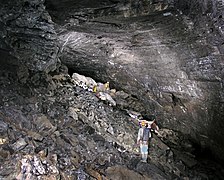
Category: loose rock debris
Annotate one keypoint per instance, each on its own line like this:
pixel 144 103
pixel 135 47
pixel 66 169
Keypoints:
pixel 66 131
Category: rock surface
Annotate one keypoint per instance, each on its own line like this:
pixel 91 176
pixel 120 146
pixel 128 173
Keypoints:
pixel 28 38
pixel 162 61
pixel 172 62
pixel 63 131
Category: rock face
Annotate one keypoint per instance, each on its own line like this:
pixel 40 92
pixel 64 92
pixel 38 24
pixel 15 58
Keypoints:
pixel 207 68
pixel 28 39
pixel 172 62
pixel 163 61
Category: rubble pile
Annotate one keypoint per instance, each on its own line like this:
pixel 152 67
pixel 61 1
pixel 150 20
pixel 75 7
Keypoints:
pixel 65 131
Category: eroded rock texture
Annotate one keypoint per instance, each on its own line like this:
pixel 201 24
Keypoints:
pixel 171 60
pixel 62 131
pixel 166 56
pixel 28 38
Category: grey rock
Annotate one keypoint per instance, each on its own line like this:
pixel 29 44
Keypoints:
pixel 19 144
pixel 44 125
pixel 35 135
pixel 151 170
pixel 153 63
pixel 73 113
pixel 186 159
pixel 173 72
pixel 39 54
pixel 3 128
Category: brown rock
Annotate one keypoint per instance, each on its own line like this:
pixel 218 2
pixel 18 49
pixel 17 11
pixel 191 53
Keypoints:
pixel 120 172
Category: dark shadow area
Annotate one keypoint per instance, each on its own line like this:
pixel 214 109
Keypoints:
pixel 202 152
pixel 207 162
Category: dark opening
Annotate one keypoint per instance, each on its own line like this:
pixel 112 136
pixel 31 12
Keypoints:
pixel 71 71
pixel 202 152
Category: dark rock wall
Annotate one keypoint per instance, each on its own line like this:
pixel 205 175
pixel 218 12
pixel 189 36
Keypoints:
pixel 173 64
pixel 207 16
pixel 27 35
